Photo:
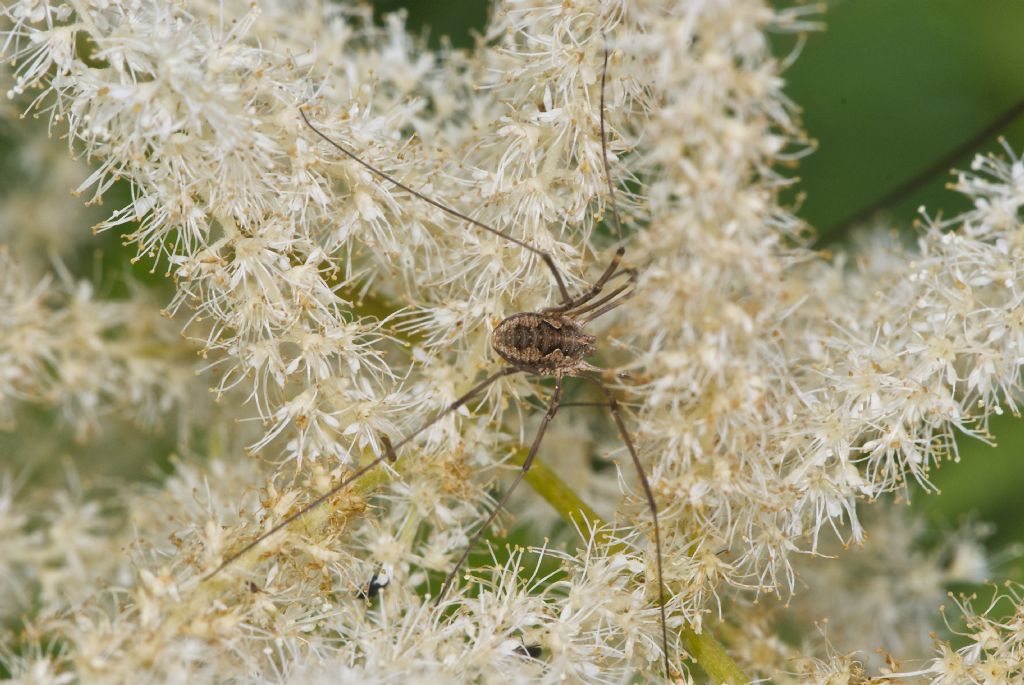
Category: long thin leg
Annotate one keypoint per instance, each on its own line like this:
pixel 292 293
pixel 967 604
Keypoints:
pixel 556 397
pixel 389 454
pixel 613 266
pixel 613 406
pixel 604 150
pixel 594 289
pixel 610 306
pixel 445 208
pixel 359 473
pixel 473 392
pixel 601 301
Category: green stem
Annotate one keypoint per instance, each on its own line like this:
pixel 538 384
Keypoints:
pixel 567 503
pixel 706 651
pixel 712 657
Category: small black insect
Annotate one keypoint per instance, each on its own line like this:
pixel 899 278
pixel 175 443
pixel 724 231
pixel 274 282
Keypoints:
pixel 529 651
pixel 373 588
pixel 550 343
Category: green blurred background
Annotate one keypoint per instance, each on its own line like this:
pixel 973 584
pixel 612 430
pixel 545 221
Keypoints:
pixel 887 89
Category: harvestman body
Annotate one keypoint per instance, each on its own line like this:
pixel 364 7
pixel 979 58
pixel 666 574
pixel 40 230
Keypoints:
pixel 551 343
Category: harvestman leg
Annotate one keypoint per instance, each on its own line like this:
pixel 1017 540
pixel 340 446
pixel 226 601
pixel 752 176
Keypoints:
pixel 610 271
pixel 620 252
pixel 613 406
pixel 389 455
pixel 545 256
pixel 607 303
pixel 568 302
pixel 616 412
pixel 556 398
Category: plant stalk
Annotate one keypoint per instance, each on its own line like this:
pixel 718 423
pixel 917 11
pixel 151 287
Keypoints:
pixel 704 649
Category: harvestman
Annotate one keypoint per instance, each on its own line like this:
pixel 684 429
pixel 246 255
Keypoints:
pixel 550 343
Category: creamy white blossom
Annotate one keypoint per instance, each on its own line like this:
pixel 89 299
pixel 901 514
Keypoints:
pixel 63 347
pixel 773 391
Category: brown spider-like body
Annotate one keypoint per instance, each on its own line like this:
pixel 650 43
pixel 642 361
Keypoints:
pixel 544 344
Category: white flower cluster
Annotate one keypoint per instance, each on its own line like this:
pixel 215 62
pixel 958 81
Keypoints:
pixel 40 219
pixel 773 389
pixel 870 604
pixel 782 393
pixel 987 648
pixel 994 649
pixel 62 347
